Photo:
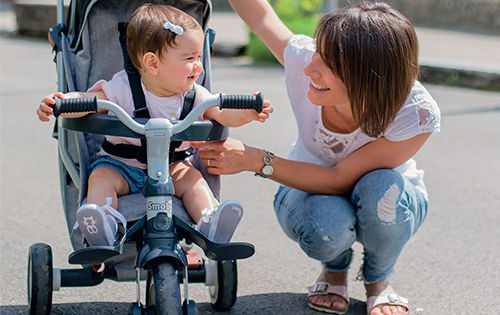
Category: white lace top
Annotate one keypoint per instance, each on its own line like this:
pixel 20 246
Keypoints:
pixel 318 145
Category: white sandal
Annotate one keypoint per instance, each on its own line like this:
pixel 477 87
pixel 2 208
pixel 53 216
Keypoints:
pixel 324 288
pixel 388 297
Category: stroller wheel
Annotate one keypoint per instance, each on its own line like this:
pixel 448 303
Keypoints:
pixel 162 289
pixel 40 275
pixel 223 292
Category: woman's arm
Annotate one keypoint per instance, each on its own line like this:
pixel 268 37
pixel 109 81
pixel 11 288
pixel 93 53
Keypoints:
pixel 263 21
pixel 232 156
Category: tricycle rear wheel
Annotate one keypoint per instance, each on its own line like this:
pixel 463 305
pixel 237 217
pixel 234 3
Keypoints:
pixel 40 277
pixel 223 293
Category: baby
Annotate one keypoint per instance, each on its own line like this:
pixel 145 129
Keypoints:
pixel 165 45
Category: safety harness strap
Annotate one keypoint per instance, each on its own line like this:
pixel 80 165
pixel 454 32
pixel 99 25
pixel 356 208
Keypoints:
pixel 130 151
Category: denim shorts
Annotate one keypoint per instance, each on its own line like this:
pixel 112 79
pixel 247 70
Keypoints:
pixel 133 175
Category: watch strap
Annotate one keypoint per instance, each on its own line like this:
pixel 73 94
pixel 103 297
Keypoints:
pixel 268 158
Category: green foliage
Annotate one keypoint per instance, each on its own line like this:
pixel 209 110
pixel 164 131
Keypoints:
pixel 296 9
pixel 300 16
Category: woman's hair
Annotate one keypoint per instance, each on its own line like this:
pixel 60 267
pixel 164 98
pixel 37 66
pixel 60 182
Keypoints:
pixel 145 32
pixel 373 49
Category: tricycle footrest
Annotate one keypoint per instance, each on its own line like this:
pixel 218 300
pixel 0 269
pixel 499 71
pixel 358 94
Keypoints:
pixel 93 255
pixel 215 251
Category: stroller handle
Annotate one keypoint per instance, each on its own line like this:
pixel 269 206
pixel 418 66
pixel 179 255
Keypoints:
pixel 86 105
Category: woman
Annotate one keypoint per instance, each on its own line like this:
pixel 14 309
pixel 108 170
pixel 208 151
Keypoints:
pixel 350 175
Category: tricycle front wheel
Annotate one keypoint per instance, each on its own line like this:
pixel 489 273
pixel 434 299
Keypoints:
pixel 162 289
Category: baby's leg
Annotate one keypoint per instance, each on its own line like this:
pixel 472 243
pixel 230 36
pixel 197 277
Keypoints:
pixel 217 222
pixel 192 188
pixel 97 219
pixel 106 182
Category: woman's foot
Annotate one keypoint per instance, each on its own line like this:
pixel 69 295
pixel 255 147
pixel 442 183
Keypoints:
pixel 329 294
pixel 383 300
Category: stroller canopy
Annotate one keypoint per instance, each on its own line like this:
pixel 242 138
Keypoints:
pixel 79 13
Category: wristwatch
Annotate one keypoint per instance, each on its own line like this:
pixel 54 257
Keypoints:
pixel 267 169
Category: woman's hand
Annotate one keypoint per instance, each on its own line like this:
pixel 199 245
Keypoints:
pixel 229 156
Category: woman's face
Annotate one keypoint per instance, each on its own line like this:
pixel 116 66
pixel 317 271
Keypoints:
pixel 325 88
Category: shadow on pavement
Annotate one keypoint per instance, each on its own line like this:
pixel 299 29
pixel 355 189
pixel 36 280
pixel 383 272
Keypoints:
pixel 270 303
pixel 278 304
pixel 75 308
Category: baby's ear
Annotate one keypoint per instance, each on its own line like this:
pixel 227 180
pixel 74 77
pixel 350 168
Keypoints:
pixel 151 62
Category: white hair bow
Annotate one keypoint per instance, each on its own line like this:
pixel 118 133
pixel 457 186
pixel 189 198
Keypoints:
pixel 174 28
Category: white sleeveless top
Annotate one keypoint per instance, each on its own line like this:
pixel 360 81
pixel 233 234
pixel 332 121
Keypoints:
pixel 318 145
pixel 118 91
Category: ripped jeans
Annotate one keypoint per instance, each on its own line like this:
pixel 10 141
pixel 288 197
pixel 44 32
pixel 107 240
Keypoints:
pixel 382 212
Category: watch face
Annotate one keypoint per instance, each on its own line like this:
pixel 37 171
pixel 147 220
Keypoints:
pixel 267 170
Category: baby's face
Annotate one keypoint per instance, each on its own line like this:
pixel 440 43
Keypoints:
pixel 181 66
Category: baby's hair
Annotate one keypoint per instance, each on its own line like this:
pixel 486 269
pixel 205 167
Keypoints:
pixel 145 31
pixel 373 49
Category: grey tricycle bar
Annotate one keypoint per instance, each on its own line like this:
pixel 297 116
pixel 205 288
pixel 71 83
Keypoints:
pixel 105 124
pixel 76 105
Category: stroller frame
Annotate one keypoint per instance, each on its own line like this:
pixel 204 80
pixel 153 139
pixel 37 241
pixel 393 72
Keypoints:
pixel 160 258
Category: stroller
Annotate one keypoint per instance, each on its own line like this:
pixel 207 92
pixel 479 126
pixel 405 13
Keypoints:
pixel 87 49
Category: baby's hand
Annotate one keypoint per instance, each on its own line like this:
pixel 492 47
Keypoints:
pixel 266 110
pixel 46 106
pixel 45 109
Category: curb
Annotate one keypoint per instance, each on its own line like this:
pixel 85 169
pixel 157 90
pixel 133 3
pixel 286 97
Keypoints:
pixel 482 80
pixel 465 15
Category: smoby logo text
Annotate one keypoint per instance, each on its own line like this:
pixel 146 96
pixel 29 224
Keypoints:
pixel 158 206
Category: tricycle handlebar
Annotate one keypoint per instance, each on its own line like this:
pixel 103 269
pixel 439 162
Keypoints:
pixel 91 105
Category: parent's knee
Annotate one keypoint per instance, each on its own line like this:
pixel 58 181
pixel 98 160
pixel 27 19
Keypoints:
pixel 326 245
pixel 377 196
pixel 328 230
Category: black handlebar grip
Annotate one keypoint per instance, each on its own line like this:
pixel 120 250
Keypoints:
pixel 74 105
pixel 242 102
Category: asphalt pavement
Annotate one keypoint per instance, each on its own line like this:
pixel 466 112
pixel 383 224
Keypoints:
pixel 451 266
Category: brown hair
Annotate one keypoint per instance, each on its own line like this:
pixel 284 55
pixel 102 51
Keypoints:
pixel 373 49
pixel 145 32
